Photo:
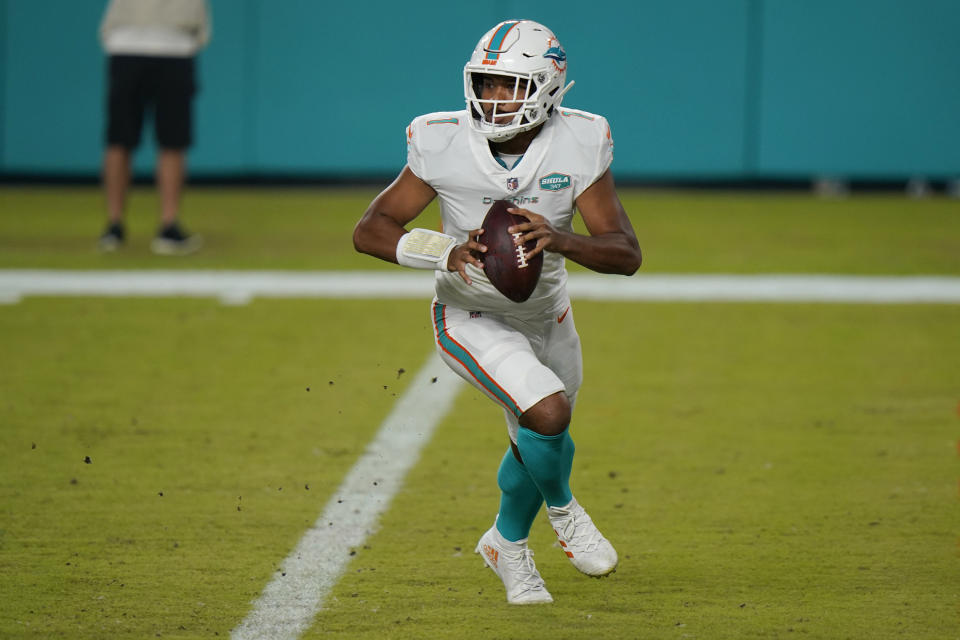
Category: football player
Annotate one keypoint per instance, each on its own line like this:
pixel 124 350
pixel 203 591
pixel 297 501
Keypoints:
pixel 513 142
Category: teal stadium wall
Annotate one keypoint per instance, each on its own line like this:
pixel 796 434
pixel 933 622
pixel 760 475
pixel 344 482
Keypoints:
pixel 694 89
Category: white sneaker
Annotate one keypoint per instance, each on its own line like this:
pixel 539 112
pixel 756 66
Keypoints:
pixel 583 543
pixel 513 562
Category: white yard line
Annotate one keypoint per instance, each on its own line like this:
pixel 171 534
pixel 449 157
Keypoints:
pixel 288 604
pixel 240 287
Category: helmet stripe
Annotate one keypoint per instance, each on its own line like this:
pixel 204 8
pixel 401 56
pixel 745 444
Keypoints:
pixel 496 41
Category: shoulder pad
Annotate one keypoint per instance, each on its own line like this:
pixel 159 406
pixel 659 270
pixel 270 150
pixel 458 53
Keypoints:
pixel 435 130
pixel 588 128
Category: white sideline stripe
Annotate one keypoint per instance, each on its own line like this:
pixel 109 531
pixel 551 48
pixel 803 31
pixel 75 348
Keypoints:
pixel 240 287
pixel 288 604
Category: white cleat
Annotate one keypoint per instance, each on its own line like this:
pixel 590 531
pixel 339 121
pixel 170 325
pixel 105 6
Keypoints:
pixel 580 539
pixel 513 562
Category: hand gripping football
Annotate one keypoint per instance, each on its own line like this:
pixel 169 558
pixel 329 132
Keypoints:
pixel 506 264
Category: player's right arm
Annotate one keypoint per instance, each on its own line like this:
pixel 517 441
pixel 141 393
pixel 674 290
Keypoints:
pixel 384 223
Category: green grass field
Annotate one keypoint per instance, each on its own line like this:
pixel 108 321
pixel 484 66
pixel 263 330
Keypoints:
pixel 679 232
pixel 765 470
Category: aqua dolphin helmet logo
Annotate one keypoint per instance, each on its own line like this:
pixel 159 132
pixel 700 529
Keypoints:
pixel 556 53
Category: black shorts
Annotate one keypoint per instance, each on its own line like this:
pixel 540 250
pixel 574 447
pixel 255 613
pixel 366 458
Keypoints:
pixel 163 85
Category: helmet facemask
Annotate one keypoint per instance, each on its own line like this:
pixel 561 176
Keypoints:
pixel 530 106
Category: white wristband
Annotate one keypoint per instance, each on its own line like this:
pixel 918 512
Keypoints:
pixel 425 249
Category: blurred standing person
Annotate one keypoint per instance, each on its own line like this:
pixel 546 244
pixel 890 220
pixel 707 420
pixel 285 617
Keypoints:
pixel 152 45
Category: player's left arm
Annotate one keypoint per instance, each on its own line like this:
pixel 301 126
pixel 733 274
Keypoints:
pixel 612 245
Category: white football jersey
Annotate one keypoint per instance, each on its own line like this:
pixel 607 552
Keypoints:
pixel 573 149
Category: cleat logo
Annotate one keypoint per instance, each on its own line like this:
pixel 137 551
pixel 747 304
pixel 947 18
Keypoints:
pixel 491 553
pixel 562 543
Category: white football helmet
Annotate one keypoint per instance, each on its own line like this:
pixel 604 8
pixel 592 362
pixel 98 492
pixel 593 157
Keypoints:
pixel 525 52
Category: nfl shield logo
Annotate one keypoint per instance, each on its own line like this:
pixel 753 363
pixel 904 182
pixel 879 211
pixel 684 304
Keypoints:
pixel 512 184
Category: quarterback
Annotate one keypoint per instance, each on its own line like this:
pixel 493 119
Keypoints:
pixel 513 142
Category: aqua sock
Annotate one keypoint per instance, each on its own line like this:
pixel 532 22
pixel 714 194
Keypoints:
pixel 548 460
pixel 520 499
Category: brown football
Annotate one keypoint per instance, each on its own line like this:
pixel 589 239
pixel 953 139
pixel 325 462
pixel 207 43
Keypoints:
pixel 506 264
